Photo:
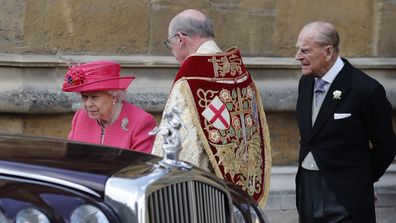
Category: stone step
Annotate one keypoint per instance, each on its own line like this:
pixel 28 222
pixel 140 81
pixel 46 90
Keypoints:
pixel 281 206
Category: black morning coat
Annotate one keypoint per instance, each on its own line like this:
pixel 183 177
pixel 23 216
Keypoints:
pixel 352 153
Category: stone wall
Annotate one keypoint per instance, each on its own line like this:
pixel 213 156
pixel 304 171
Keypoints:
pixel 31 101
pixel 127 27
pixel 38 38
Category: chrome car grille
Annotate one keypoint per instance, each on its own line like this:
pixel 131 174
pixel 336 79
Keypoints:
pixel 191 201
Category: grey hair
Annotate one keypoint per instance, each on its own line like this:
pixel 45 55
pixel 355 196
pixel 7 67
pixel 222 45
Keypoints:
pixel 192 27
pixel 327 33
pixel 119 94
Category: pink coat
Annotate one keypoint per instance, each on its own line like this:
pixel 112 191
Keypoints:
pixel 129 131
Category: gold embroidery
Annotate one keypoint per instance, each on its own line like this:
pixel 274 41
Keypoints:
pixel 238 148
pixel 214 140
pixel 226 65
pixel 203 97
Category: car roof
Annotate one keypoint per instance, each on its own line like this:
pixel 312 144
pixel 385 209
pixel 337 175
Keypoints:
pixel 79 163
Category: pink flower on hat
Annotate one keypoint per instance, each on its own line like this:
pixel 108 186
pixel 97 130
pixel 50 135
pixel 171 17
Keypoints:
pixel 95 76
pixel 74 76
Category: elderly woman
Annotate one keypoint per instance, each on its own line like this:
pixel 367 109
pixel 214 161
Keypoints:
pixel 106 118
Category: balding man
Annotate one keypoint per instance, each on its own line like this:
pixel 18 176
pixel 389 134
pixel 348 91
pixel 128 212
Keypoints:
pixel 225 127
pixel 347 140
pixel 191 32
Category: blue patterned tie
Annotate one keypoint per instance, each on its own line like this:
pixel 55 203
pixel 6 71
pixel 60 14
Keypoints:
pixel 319 90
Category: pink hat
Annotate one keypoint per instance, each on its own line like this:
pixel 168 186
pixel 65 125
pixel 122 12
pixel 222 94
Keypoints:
pixel 95 76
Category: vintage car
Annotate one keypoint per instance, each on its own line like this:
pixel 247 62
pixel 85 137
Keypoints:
pixel 46 180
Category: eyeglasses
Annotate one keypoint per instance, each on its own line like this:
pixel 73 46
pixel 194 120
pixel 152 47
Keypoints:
pixel 168 43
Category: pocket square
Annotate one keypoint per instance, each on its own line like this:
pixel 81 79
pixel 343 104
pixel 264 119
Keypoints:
pixel 341 115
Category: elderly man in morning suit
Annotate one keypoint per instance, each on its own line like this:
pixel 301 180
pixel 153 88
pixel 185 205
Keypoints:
pixel 347 140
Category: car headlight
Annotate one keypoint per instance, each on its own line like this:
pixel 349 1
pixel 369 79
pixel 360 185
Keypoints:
pixel 254 214
pixel 88 214
pixel 3 217
pixel 238 216
pixel 31 215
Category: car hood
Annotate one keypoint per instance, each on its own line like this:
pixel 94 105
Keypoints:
pixel 57 161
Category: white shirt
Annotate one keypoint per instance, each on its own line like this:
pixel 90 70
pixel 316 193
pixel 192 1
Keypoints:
pixel 333 72
pixel 309 162
pixel 209 46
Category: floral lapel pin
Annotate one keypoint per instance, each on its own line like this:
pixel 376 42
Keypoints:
pixel 337 94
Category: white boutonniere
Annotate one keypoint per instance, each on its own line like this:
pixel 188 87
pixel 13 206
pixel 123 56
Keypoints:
pixel 337 94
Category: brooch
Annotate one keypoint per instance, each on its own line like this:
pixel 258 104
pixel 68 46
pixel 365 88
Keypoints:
pixel 124 124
